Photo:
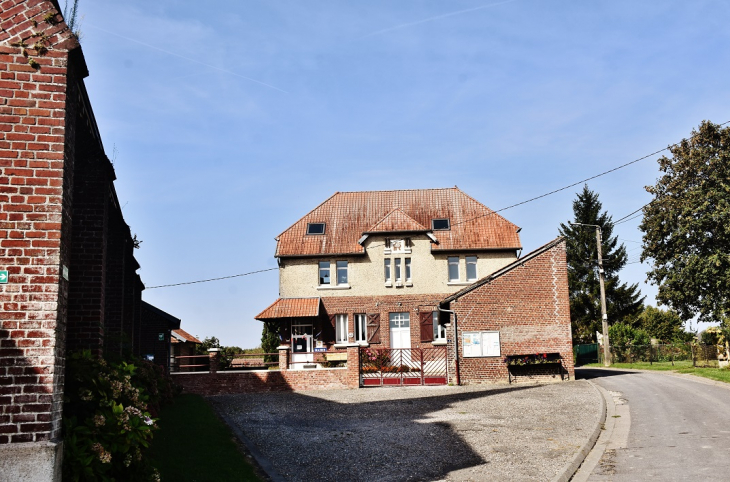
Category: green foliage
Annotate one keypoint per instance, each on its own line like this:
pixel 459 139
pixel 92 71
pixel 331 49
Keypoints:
pixel 107 426
pixel 621 334
pixel 687 226
pixel 270 340
pixel 712 336
pixel 70 15
pixel 207 344
pixel 664 325
pixel 623 302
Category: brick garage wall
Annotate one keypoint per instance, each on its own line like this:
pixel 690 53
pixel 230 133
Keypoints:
pixel 36 163
pixel 529 306
pixel 154 322
pixel 222 383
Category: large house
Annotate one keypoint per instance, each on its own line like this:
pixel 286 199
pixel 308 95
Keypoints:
pixel 372 267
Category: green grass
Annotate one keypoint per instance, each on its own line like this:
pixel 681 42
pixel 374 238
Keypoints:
pixel 194 445
pixel 719 374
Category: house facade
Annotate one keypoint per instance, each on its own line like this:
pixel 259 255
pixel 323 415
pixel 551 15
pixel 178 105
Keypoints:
pixel 371 268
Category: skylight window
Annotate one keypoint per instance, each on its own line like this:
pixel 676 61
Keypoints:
pixel 440 224
pixel 315 228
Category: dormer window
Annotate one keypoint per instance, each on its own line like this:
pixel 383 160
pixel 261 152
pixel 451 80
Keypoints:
pixel 440 224
pixel 315 228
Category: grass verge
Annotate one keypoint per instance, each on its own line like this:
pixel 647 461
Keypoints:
pixel 194 445
pixel 719 374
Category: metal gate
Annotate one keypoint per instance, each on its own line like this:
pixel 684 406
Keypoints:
pixel 586 354
pixel 403 366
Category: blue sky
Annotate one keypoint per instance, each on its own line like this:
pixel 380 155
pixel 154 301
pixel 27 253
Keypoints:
pixel 229 120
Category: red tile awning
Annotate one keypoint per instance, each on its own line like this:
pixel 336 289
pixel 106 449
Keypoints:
pixel 290 308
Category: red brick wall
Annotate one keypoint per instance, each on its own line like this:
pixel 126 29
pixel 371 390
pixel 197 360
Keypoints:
pixel 528 306
pixel 34 214
pixel 222 383
pixel 413 304
pixel 56 197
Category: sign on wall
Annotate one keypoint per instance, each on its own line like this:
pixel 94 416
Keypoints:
pixel 3 277
pixel 481 344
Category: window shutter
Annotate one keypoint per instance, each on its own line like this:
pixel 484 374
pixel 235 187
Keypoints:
pixel 374 328
pixel 427 326
pixel 328 330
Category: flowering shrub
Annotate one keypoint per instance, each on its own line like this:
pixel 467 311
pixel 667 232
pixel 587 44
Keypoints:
pixel 373 358
pixel 535 359
pixel 107 425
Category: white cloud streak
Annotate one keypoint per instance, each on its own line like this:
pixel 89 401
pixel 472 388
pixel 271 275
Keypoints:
pixel 432 19
pixel 190 59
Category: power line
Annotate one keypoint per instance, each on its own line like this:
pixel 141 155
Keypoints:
pixel 211 279
pixel 583 181
pixel 474 218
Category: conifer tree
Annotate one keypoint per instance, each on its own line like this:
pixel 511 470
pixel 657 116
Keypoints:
pixel 623 302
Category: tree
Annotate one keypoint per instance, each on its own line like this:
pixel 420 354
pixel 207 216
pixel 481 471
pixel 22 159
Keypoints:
pixel 621 334
pixel 623 302
pixel 664 325
pixel 270 340
pixel 687 226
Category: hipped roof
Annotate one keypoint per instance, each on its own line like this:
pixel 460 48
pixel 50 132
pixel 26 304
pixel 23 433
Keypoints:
pixel 290 308
pixel 349 215
pixel 182 336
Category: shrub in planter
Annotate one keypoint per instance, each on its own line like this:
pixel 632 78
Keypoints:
pixel 107 425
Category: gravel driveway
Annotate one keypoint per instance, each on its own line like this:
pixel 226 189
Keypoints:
pixel 496 432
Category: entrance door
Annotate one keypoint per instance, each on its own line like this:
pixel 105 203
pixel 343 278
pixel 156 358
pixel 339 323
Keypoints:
pixel 400 335
pixel 301 346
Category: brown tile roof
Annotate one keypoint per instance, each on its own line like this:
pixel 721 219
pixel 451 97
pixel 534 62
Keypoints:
pixel 397 221
pixel 185 335
pixel 290 308
pixel 347 215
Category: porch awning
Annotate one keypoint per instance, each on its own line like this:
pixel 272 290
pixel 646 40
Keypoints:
pixel 290 308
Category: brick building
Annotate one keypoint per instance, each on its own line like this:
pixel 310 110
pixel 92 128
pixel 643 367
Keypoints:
pixel 72 279
pixel 519 311
pixel 386 269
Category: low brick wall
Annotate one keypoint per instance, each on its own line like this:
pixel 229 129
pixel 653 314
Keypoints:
pixel 224 383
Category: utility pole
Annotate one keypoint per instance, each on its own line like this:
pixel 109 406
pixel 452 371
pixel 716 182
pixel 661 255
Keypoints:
pixel 604 316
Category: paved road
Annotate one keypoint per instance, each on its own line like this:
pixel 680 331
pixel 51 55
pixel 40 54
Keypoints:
pixel 679 428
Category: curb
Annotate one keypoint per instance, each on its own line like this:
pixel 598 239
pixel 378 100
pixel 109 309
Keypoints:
pixel 570 469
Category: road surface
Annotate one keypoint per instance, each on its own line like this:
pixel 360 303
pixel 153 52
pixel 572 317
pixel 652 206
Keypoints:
pixel 662 427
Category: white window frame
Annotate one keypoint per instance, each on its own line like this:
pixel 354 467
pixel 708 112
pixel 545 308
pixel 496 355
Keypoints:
pixel 387 272
pixel 450 262
pixel 399 319
pixel 361 328
pixel 397 265
pixel 439 330
pixel 409 273
pixel 481 344
pixel 471 261
pixel 340 266
pixel 320 268
pixel 340 329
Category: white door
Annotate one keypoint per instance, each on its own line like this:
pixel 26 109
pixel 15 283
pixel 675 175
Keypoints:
pixel 400 334
pixel 301 346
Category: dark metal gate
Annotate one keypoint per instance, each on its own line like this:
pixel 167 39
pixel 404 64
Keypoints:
pixel 403 366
